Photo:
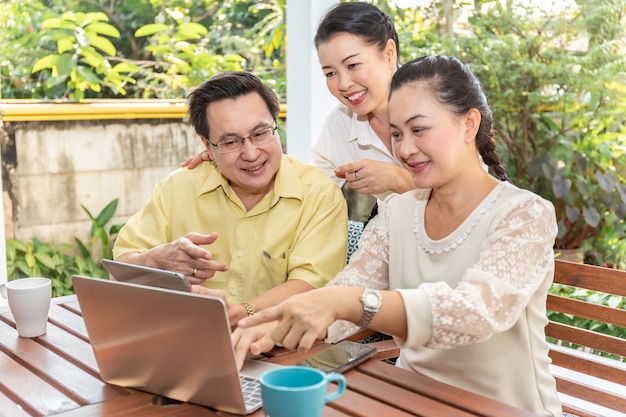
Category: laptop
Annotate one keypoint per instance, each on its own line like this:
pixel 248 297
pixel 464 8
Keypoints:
pixel 138 274
pixel 167 342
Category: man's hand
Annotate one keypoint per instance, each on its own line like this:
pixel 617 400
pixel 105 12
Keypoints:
pixel 235 311
pixel 184 255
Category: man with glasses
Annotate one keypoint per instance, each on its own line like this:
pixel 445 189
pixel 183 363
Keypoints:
pixel 254 225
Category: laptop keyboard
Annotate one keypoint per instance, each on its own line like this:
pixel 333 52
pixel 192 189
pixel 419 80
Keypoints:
pixel 251 388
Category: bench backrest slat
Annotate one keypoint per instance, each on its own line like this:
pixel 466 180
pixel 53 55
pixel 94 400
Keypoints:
pixel 589 365
pixel 581 373
pixel 590 394
pixel 596 278
pixel 588 310
pixel 587 338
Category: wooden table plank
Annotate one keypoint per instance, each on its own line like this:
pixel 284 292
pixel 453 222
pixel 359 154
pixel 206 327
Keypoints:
pixel 9 407
pixel 448 394
pixel 139 405
pixel 63 376
pixel 35 395
pixel 71 347
pixel 381 392
pixel 68 319
pixel 357 405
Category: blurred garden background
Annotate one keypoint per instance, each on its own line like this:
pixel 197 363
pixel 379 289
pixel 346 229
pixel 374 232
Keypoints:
pixel 554 73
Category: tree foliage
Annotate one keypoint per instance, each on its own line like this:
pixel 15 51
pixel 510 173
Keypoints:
pixel 556 83
pixel 555 79
pixel 136 48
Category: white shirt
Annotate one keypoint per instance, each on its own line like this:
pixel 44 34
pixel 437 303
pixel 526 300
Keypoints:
pixel 345 138
pixel 475 300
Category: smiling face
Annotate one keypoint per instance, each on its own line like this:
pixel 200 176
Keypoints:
pixel 358 74
pixel 252 170
pixel 433 143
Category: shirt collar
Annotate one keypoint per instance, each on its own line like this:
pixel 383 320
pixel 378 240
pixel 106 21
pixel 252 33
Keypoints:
pixel 286 185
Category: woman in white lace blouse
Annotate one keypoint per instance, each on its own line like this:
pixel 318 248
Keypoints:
pixel 457 271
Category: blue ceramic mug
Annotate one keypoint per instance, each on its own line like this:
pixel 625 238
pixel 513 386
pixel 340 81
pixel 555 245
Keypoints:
pixel 298 391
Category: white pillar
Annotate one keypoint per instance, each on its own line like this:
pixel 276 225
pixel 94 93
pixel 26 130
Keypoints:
pixel 3 249
pixel 308 99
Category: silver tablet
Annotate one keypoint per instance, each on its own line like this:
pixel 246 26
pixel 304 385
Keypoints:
pixel 143 275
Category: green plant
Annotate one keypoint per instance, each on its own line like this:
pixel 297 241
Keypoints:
pixel 36 259
pixel 78 38
pixel 583 180
pixel 99 238
pixel 558 109
pixel 136 48
pixel 183 57
pixel 60 262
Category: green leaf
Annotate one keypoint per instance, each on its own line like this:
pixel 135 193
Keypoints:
pixel 125 67
pixel 47 61
pixel 606 182
pixel 82 248
pixel 107 213
pixel 79 94
pixel 572 213
pixel 88 75
pixel 65 44
pixel 103 29
pixel 102 43
pixel 94 16
pixel 54 81
pixel 615 300
pixel 190 30
pixel 56 23
pixel 30 259
pixel 93 60
pixel 592 217
pixel 46 260
pixel 150 29
pixel 64 65
pixel 561 186
pixel 115 229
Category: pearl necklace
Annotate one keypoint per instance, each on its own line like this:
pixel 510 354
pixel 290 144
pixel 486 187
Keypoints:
pixel 475 217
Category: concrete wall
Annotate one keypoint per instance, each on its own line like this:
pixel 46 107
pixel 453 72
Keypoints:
pixel 50 169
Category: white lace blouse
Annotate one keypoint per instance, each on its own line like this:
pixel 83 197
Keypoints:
pixel 474 300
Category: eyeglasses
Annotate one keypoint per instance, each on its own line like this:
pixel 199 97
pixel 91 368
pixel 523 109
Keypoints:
pixel 235 143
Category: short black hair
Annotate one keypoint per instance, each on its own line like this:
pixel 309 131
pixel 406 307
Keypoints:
pixel 229 84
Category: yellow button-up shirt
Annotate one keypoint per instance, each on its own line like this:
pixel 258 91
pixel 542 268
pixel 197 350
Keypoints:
pixel 297 231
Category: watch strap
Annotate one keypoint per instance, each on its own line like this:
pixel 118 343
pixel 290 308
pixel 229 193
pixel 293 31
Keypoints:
pixel 249 308
pixel 366 319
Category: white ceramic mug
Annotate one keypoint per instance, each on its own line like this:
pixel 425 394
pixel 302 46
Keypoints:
pixel 29 301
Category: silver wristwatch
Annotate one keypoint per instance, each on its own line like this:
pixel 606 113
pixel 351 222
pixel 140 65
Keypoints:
pixel 371 300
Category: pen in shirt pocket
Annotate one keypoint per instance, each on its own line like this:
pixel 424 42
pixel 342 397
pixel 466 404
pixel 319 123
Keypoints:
pixel 268 256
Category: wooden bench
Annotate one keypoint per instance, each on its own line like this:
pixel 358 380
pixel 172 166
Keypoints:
pixel 589 384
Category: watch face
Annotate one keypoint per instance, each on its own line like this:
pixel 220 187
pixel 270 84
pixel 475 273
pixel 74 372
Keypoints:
pixel 371 300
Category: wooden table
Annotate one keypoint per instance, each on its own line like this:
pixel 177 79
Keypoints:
pixel 56 374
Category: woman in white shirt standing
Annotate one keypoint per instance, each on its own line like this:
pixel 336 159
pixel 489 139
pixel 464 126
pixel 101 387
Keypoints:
pixel 457 270
pixel 357 46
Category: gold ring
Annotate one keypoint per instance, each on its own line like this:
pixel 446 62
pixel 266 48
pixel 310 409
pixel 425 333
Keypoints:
pixel 193 274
